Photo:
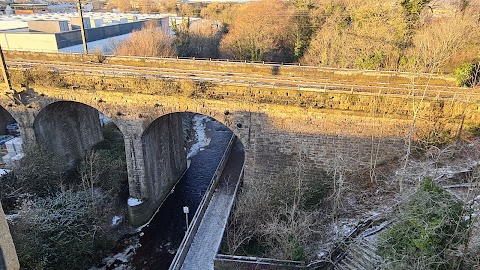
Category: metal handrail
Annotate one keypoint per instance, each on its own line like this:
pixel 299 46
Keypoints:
pixel 197 218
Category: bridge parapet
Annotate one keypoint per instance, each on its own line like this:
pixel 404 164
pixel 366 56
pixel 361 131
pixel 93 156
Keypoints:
pixel 233 67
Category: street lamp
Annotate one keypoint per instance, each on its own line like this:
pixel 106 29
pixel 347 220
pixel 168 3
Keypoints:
pixel 186 211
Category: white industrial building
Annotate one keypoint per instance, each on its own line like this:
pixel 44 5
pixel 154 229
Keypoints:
pixel 60 32
pixel 54 32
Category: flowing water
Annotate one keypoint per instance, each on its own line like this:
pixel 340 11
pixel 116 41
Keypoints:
pixel 165 232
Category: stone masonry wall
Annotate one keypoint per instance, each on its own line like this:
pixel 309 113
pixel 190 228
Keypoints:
pixel 68 129
pixel 351 75
pixel 164 155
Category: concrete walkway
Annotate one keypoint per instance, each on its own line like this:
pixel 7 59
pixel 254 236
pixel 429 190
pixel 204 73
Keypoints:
pixel 210 232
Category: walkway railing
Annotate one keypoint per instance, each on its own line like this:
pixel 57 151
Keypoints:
pixel 242 262
pixel 197 218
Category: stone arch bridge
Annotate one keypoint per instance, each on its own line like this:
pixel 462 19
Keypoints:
pixel 289 119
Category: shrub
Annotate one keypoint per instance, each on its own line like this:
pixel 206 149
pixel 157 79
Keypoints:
pixel 8 192
pixel 467 74
pixel 62 231
pixel 48 77
pixel 298 253
pixel 431 224
pixel 103 169
pixel 41 172
pixel 62 226
pixel 105 166
pixel 371 61
pixel 21 77
pixel 112 141
pixel 277 219
pixel 99 56
pixel 192 88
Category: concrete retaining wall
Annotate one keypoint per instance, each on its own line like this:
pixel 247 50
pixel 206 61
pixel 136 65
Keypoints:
pixel 28 41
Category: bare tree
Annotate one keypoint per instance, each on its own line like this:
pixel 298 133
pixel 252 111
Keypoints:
pixel 147 6
pixel 90 172
pixel 224 12
pixel 436 42
pixel 122 5
pixel 346 38
pixel 149 41
pixel 260 31
pixel 204 39
pixel 167 6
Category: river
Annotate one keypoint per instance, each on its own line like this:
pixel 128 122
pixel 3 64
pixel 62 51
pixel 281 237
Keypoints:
pixel 162 236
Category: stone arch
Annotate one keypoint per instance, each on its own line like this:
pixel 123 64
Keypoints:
pixel 68 128
pixel 66 117
pixel 164 160
pixel 170 122
pixel 238 129
pixel 12 145
pixel 6 118
pixel 40 106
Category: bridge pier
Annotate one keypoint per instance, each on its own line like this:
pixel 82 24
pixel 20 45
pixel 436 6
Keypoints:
pixel 140 213
pixel 25 122
pixel 155 163
pixel 24 119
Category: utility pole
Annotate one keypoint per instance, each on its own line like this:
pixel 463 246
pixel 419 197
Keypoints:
pixel 82 27
pixel 6 78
